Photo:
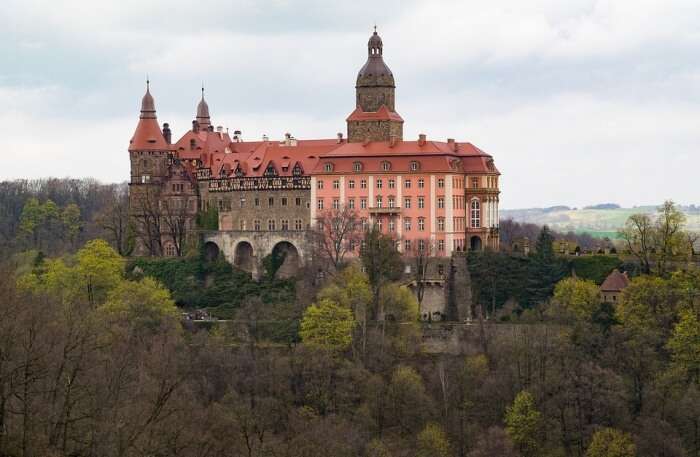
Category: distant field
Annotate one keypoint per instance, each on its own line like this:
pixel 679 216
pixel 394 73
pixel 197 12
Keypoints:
pixel 596 222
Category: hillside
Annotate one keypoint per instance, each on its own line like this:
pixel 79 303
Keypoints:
pixel 597 222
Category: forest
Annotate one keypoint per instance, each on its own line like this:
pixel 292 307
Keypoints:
pixel 95 359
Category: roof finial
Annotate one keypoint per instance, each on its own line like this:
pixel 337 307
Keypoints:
pixel 202 90
pixel 375 27
pixel 148 83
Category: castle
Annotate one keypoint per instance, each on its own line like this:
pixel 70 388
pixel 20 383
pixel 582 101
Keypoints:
pixel 255 197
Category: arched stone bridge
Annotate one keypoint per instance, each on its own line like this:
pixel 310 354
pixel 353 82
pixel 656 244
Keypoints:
pixel 246 249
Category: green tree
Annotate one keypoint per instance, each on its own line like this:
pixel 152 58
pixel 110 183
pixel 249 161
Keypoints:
pixel 432 442
pixel 670 238
pixel 523 424
pixel 31 219
pixel 327 325
pixel 382 262
pixel 408 400
pixel 582 298
pixel 609 442
pixel 70 217
pixel 638 234
pixel 545 270
pixel 399 302
pixel 142 305
pixel 684 344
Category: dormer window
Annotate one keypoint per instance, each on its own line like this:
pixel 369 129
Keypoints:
pixel 328 167
pixel 414 166
pixel 357 166
pixel 239 171
pixel 386 166
pixel 297 171
pixel 270 170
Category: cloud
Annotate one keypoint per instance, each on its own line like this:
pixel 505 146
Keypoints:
pixel 579 101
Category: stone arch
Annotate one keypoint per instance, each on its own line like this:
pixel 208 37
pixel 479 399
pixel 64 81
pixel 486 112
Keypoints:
pixel 475 243
pixel 287 256
pixel 243 256
pixel 211 251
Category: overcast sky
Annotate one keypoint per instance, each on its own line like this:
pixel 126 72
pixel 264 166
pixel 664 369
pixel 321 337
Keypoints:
pixel 579 101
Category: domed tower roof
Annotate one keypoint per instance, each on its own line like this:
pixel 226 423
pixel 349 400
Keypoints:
pixel 375 73
pixel 148 105
pixel 203 113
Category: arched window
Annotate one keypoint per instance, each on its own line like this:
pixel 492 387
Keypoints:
pixel 328 167
pixel 386 166
pixel 170 250
pixel 357 166
pixel 475 213
pixel 414 166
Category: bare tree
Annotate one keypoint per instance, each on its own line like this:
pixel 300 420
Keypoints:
pixel 669 235
pixel 338 233
pixel 423 254
pixel 114 220
pixel 638 234
pixel 174 219
pixel 146 213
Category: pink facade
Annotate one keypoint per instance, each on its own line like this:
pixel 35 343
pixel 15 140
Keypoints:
pixel 435 196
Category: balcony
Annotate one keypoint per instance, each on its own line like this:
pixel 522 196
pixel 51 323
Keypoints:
pixel 385 210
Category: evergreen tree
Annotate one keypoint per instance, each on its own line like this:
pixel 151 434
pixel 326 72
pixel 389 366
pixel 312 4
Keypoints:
pixel 545 270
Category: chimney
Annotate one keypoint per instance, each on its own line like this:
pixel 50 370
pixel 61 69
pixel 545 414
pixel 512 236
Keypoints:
pixel 195 126
pixel 452 144
pixel 340 137
pixel 392 141
pixel 421 139
pixel 265 137
pixel 167 134
pixel 219 129
pixel 237 136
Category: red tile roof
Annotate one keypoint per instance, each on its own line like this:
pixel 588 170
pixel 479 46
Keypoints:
pixel 380 115
pixel 148 136
pixel 615 282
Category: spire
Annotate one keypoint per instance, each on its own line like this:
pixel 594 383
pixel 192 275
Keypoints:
pixel 203 112
pixel 148 106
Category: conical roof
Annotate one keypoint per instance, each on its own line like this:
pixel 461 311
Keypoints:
pixel 148 135
pixel 203 113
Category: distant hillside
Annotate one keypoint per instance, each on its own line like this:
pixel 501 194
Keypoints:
pixel 598 220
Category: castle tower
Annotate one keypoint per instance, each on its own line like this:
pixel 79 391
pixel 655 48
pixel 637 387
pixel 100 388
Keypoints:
pixel 375 117
pixel 148 147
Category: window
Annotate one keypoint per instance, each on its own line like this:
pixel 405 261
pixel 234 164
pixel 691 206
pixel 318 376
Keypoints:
pixel 421 224
pixel 256 225
pixel 257 201
pixel 441 245
pixel 407 224
pixel 351 184
pixel 270 202
pixel 475 214
pixel 386 166
pixel 297 224
pixel 407 184
pixel 297 201
pixel 336 203
pixel 365 225
pixel 392 183
pixel 351 203
pixel 357 166
pixel 285 224
pixel 242 203
pixel 475 182
pixel 441 183
pixel 241 224
pixel 284 201
pixel 421 202
pixel 441 224
pixel 407 248
pixel 392 202
pixel 414 166
pixel 145 179
pixel 170 250
pixel 407 202
pixel 379 201
pixel 336 184
pixel 392 225
pixel 458 224
pixel 328 167
pixel 421 245
pixel 363 203
pixel 271 225
pixel 319 203
pixel 363 184
pixel 379 224
pixel 379 183
pixel 441 202
pixel 319 184
pixel 421 183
